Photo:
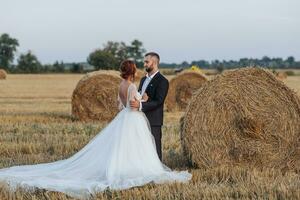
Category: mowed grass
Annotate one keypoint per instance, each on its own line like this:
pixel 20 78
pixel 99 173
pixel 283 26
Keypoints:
pixel 36 126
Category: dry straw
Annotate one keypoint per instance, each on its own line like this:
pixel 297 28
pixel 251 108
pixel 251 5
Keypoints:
pixel 182 88
pixel 95 96
pixel 139 75
pixel 243 117
pixel 281 75
pixel 3 74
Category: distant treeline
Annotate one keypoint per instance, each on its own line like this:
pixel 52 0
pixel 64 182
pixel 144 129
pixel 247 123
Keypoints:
pixel 272 63
pixel 110 56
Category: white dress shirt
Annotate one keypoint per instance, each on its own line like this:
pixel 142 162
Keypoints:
pixel 145 85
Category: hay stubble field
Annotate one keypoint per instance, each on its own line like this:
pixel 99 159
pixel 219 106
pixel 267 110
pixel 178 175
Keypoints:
pixel 36 126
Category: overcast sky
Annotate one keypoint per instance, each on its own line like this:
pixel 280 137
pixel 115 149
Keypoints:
pixel 179 30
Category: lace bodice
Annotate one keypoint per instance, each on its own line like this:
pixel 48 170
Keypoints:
pixel 131 94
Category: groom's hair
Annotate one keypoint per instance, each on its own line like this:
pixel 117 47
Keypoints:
pixel 153 54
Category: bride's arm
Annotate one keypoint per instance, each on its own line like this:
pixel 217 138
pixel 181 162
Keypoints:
pixel 134 95
pixel 120 104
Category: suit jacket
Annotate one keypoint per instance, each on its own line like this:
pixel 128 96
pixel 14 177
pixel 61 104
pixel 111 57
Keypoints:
pixel 157 91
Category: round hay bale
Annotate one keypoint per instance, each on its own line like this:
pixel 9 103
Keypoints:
pixel 139 75
pixel 3 74
pixel 281 75
pixel 95 96
pixel 243 117
pixel 182 88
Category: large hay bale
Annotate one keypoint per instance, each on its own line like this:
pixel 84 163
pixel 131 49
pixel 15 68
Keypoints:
pixel 139 75
pixel 95 96
pixel 3 74
pixel 181 89
pixel 281 75
pixel 243 117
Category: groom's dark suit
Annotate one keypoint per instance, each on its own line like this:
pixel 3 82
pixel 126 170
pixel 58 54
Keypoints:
pixel 156 90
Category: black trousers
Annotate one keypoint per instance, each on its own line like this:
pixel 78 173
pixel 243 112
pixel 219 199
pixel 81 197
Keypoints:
pixel 156 132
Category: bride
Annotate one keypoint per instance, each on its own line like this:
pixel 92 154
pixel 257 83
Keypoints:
pixel 121 156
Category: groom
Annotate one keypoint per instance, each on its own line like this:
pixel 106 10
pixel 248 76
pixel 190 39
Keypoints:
pixel 156 87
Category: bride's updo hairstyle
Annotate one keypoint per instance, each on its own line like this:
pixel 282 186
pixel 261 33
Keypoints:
pixel 127 68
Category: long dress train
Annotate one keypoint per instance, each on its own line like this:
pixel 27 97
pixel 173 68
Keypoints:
pixel 121 156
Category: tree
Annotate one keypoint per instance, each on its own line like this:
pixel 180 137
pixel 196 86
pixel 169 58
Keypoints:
pixel 8 46
pixel 201 63
pixel 113 53
pixel 76 68
pixel 243 62
pixel 185 64
pixel 47 68
pixel 136 51
pixel 290 61
pixel 28 63
pixel 101 59
pixel 58 67
pixel 266 61
pixel 117 49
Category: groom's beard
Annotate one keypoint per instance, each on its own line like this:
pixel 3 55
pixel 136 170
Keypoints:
pixel 149 69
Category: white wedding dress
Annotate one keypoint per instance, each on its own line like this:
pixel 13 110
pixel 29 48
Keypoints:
pixel 121 156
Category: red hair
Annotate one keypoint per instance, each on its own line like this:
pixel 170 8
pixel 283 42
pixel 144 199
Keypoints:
pixel 127 68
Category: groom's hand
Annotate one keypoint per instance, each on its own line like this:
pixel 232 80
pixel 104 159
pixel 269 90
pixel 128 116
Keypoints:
pixel 145 97
pixel 135 104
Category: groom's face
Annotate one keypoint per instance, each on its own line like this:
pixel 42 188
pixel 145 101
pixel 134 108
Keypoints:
pixel 148 64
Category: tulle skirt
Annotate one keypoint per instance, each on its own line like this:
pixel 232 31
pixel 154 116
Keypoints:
pixel 121 156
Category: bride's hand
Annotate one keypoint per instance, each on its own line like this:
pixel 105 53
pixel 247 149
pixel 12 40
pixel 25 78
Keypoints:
pixel 145 97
